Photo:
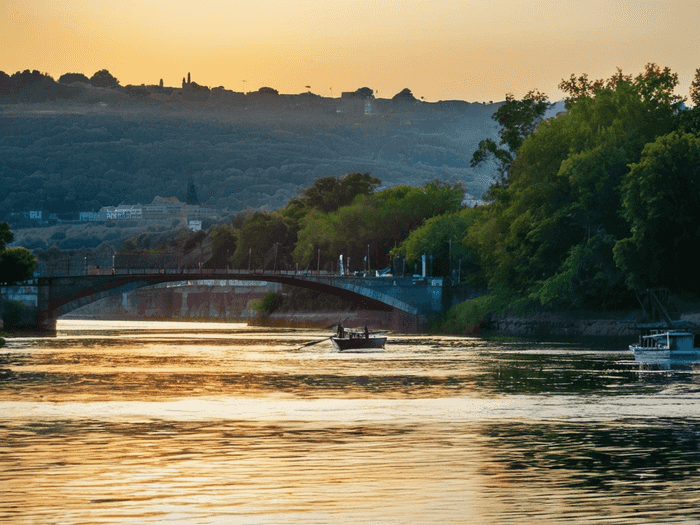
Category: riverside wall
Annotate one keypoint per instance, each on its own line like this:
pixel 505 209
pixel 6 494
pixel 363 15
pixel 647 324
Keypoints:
pixel 565 326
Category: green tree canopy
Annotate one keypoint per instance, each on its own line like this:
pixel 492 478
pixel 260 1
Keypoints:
pixel 327 194
pixel 374 223
pixel 442 238
pixel 517 118
pixel 268 239
pixel 661 202
pixel 16 264
pixel 564 185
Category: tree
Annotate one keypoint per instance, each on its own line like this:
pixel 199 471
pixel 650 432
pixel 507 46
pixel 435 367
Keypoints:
pixel 191 198
pixel 16 265
pixel 518 118
pixel 327 194
pixel 580 87
pixel 441 237
pixel 380 221
pixel 223 246
pixel 564 187
pixel 69 78
pixel 268 238
pixel 404 97
pixel 695 89
pixel 6 236
pixel 588 278
pixel 103 78
pixel 661 202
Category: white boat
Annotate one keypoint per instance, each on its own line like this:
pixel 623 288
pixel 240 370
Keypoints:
pixel 667 347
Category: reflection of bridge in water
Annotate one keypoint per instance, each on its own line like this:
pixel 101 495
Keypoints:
pixel 411 300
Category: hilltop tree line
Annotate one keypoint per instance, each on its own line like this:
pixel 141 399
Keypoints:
pixel 34 86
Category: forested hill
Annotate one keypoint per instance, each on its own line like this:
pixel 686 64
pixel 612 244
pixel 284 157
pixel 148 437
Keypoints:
pixel 78 156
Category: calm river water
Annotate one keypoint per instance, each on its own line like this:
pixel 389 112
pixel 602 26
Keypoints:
pixel 143 422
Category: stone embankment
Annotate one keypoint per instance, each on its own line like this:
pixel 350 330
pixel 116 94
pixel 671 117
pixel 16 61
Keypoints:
pixel 565 325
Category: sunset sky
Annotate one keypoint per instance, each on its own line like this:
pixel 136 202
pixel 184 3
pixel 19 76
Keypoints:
pixel 440 49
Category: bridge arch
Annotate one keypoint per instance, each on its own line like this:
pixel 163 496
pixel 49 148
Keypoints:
pixel 68 293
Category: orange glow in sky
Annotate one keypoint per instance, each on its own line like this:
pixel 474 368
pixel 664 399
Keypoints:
pixel 440 49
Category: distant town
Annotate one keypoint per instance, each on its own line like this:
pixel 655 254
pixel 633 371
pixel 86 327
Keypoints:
pixel 159 210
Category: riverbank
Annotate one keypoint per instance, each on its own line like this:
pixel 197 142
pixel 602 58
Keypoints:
pixel 548 325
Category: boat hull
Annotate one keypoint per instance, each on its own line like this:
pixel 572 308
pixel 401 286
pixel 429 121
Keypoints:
pixel 342 343
pixel 665 357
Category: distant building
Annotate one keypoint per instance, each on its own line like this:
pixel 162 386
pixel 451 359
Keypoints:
pixel 162 208
pixel 357 102
pixel 193 92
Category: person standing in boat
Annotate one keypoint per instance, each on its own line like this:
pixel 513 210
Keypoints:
pixel 366 332
pixel 341 330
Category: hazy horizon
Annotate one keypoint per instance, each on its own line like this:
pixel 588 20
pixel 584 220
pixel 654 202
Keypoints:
pixel 440 50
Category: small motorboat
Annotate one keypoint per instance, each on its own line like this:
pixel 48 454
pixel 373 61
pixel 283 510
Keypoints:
pixel 667 347
pixel 356 339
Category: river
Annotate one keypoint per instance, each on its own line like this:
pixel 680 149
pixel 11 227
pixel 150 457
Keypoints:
pixel 158 422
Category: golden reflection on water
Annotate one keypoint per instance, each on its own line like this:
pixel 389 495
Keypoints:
pixel 209 423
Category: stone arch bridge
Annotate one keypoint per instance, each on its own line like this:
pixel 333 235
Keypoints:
pixel 411 300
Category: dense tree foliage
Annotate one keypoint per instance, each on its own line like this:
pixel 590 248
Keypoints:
pixel 16 264
pixel 373 225
pixel 327 194
pixel 32 86
pixel 661 202
pixel 441 238
pixel 551 230
pixel 266 240
pixel 517 118
pixel 695 89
